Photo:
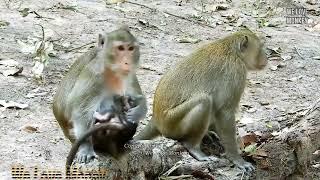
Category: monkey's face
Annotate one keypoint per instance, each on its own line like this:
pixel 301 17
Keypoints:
pixel 120 50
pixel 124 57
pixel 253 53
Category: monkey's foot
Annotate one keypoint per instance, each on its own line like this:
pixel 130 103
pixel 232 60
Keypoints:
pixel 85 155
pixel 211 137
pixel 244 166
pixel 196 153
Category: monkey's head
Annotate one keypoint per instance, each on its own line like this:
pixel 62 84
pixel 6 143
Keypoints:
pixel 251 50
pixel 120 50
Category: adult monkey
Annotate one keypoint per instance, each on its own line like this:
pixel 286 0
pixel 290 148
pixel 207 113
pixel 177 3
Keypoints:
pixel 203 92
pixel 104 71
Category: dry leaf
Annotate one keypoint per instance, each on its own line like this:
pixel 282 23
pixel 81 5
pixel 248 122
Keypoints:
pixel 251 110
pixel 11 71
pixel 251 149
pixel 281 65
pixel 10 68
pixel 188 40
pixel 316 166
pixel 246 120
pixel 317 152
pixel 286 57
pixel 217 7
pixel 268 125
pixel 29 129
pixel 37 69
pixel 229 28
pixel 316 57
pixel 12 104
pixel 24 12
pixel 316 27
pixel 249 139
pixel 274 51
pixel 115 1
pixel 261 153
pixel 4 23
pixel 9 63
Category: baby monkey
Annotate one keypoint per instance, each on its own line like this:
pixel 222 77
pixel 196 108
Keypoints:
pixel 111 129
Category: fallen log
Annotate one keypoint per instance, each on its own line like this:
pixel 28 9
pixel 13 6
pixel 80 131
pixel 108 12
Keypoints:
pixel 289 157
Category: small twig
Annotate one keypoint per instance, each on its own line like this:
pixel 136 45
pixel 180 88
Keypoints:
pixel 242 175
pixel 190 20
pixel 72 49
pixel 142 5
pixel 176 177
pixel 149 69
pixel 40 50
pixel 173 168
pixel 42 31
pixel 312 107
pixel 177 16
pixel 39 16
pixel 295 48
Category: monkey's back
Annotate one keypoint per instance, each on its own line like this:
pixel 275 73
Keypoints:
pixel 66 86
pixel 208 70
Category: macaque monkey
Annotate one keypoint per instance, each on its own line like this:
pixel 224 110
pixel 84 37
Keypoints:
pixel 202 94
pixel 111 129
pixel 107 70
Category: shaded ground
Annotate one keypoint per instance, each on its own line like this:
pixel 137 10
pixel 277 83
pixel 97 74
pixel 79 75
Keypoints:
pixel 272 101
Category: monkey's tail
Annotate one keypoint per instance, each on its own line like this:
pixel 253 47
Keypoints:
pixel 84 137
pixel 148 132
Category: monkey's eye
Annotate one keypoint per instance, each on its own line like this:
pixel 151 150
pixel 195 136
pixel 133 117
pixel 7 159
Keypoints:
pixel 121 48
pixel 131 48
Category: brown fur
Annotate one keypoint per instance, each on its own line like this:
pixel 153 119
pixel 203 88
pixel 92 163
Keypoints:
pixel 203 92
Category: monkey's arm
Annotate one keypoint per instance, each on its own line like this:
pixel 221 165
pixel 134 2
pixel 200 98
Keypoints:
pixel 138 112
pixel 81 104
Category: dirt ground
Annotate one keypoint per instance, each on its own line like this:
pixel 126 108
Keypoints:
pixel 272 100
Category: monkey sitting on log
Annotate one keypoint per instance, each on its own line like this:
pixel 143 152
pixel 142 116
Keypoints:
pixel 202 94
pixel 105 71
pixel 111 129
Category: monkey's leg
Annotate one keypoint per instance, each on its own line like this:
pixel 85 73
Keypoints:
pixel 86 152
pixel 148 132
pixel 195 115
pixel 226 129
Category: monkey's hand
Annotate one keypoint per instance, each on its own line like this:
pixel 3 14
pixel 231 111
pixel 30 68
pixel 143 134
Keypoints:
pixel 134 114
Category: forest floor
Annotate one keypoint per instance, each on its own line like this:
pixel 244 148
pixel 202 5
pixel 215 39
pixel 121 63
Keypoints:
pixel 273 100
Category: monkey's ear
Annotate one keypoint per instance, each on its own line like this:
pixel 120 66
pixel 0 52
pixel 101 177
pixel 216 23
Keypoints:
pixel 101 40
pixel 244 43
